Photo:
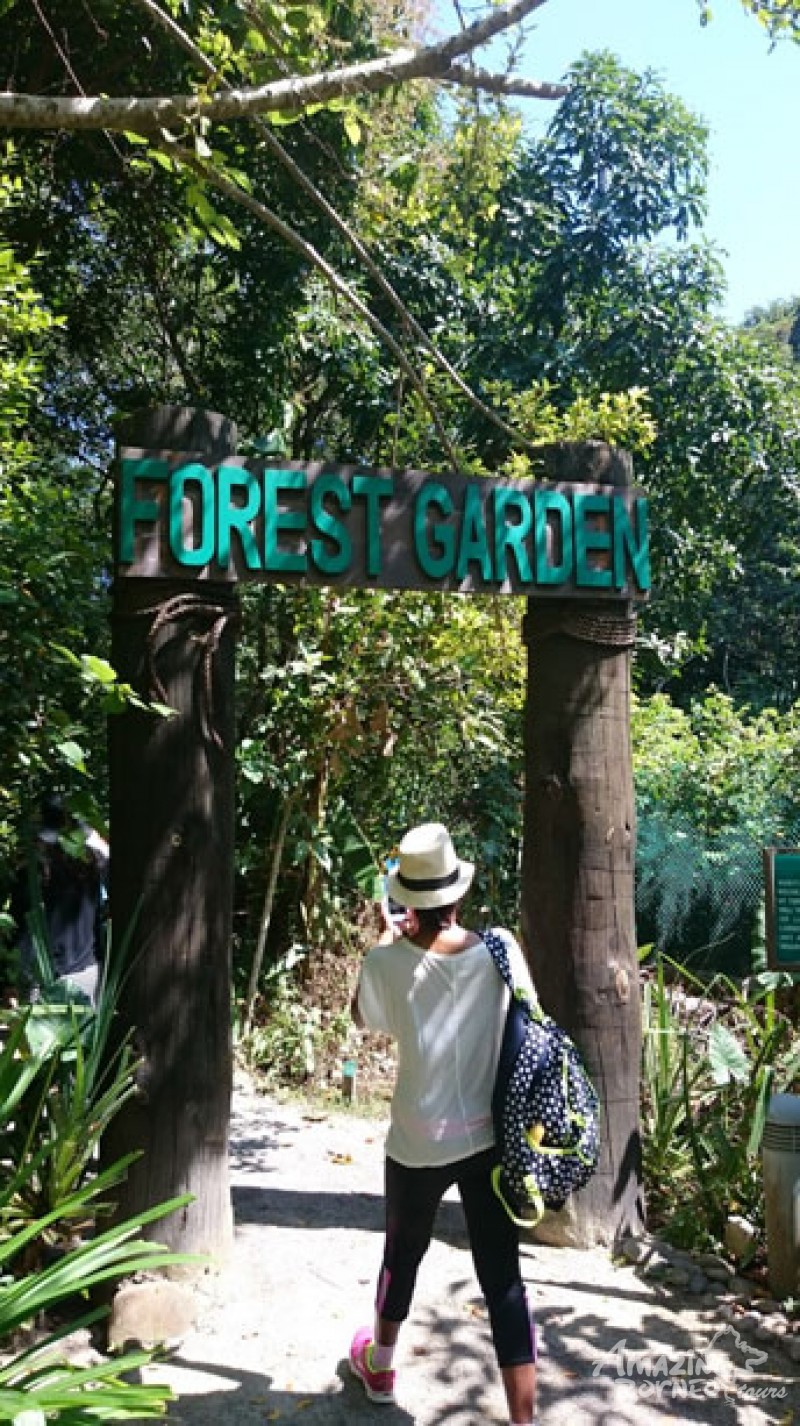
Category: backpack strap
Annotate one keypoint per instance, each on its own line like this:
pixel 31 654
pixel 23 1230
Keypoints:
pixel 498 951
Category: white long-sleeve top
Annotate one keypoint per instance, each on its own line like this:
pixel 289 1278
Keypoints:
pixel 447 1014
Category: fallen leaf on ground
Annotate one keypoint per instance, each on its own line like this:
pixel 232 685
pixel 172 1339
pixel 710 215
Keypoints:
pixel 339 1158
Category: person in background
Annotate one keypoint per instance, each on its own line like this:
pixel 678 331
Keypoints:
pixel 69 878
pixel 434 986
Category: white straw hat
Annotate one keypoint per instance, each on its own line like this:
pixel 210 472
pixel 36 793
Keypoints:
pixel 428 872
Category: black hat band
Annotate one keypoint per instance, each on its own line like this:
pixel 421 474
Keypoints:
pixel 431 883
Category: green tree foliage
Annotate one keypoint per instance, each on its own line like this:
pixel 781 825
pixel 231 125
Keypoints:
pixel 56 688
pixel 723 474
pixel 714 784
pixel 777 326
pixel 557 275
pixel 50 589
pixel 162 297
pixel 780 17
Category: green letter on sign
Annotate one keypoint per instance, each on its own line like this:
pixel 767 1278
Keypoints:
pixel 333 561
pixel 472 544
pixel 275 520
pixel 374 488
pixel 591 537
pixel 133 512
pixel 511 536
pixel 202 553
pixel 435 567
pixel 544 502
pixel 237 517
pixel 629 547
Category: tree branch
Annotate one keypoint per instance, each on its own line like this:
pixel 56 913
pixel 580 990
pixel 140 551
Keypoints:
pixel 315 259
pixel 300 177
pixel 469 77
pixel 282 96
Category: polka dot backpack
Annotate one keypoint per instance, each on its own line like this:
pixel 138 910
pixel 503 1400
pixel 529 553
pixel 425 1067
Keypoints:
pixel 544 1106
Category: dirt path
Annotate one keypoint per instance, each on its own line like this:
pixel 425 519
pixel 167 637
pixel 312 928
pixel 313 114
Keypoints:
pixel 273 1331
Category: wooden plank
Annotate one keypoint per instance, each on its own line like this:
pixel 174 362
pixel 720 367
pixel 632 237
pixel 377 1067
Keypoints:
pixel 320 524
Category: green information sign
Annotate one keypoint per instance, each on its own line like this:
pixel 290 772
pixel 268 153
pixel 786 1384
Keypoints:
pixel 389 529
pixel 782 878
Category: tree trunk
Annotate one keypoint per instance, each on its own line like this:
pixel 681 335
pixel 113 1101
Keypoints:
pixel 275 859
pixel 172 873
pixel 578 864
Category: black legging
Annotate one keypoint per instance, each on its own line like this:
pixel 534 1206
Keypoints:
pixel 412 1197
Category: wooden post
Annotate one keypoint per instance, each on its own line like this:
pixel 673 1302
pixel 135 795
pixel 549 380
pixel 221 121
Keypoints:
pixel 172 871
pixel 577 909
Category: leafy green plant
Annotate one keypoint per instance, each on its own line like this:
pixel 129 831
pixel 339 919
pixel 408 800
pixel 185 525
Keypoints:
pixel 751 1054
pixel 283 1046
pixel 37 1379
pixel 63 1086
pixel 60 1127
pixel 713 1054
pixel 666 1071
pixel 291 1041
pixel 621 418
pixel 714 784
pixel 60 1085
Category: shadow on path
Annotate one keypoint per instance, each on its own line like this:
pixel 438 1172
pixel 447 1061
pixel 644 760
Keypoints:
pixel 656 1370
pixel 309 1209
pixel 250 1399
pixel 321 1210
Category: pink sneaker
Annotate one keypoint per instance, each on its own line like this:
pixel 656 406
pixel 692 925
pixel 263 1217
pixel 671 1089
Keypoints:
pixel 379 1386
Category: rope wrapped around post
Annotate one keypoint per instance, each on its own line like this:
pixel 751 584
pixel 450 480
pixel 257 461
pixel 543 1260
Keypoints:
pixel 613 627
pixel 171 611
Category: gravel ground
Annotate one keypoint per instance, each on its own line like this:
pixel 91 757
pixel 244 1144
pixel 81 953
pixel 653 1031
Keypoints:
pixel 270 1343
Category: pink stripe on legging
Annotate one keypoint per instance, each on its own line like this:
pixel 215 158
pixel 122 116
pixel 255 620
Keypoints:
pixel 383 1288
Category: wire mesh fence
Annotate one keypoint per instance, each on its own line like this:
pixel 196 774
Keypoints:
pixel 699 895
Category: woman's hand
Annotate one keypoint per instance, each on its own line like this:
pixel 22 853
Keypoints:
pixel 396 923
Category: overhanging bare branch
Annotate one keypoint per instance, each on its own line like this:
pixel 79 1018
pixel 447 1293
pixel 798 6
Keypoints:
pixel 293 239
pixel 510 85
pixel 300 177
pixel 147 115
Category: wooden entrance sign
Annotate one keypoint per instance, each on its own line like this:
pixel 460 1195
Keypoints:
pixel 327 525
pixel 192 520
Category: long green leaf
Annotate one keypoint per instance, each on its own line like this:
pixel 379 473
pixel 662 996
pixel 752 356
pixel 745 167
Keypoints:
pixel 40 1292
pixel 41 1352
pixel 90 1192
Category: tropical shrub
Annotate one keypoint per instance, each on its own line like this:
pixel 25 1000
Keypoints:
pixel 60 1085
pixel 713 1054
pixel 36 1379
pixel 714 785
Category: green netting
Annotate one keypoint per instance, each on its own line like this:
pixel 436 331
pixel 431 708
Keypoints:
pixel 699 897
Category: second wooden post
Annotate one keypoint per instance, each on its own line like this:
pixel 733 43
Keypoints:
pixel 578 860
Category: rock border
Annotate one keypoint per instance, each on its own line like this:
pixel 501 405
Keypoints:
pixel 713 1282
